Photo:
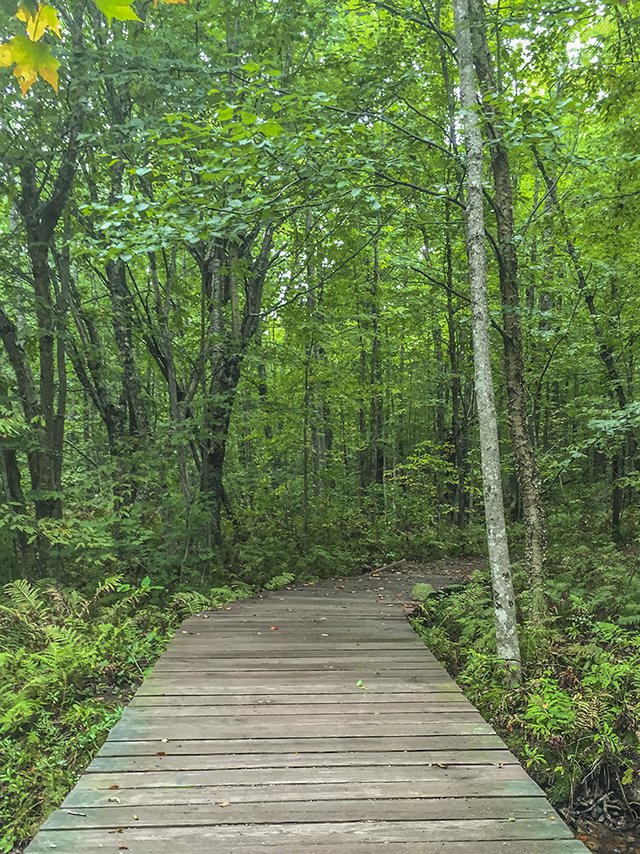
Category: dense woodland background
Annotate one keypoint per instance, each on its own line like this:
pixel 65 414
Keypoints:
pixel 234 302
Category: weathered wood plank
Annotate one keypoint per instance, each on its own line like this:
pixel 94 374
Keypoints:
pixel 443 736
pixel 272 706
pixel 372 698
pixel 333 683
pixel 177 795
pixel 132 728
pixel 465 776
pixel 378 665
pixel 171 840
pixel 295 759
pixel 379 832
pixel 298 812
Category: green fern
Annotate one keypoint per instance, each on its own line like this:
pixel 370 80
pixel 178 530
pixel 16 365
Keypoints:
pixel 280 581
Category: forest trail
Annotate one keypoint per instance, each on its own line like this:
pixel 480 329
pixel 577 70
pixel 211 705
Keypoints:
pixel 311 719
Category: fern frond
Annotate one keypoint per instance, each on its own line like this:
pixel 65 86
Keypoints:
pixel 24 597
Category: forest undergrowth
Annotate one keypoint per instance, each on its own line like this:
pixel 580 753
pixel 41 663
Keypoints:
pixel 574 721
pixel 70 661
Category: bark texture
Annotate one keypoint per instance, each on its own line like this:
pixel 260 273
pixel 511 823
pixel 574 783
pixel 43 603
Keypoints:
pixel 526 465
pixel 504 600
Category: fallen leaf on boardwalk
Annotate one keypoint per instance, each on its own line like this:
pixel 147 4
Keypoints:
pixel 227 609
pixel 339 587
pixel 324 636
pixel 224 803
pixel 511 818
pixel 164 740
pixel 117 830
pixel 440 765
pixel 161 753
pixel 275 628
pixel 552 818
pixel 123 847
pixel 114 800
pixel 114 787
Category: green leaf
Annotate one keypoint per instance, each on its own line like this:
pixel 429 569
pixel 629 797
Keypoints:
pixel 119 9
pixel 225 114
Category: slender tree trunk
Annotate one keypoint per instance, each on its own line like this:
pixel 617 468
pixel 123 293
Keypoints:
pixel 504 601
pixel 526 465
pixel 377 399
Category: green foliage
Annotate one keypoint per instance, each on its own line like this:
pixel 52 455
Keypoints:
pixel 421 592
pixel 280 581
pixel 575 715
pixel 68 663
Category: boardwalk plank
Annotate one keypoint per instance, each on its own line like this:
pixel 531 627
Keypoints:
pixel 444 736
pixel 295 699
pixel 207 840
pixel 344 832
pixel 444 703
pixel 133 727
pixel 296 812
pixel 466 776
pixel 331 683
pixel 81 798
pixel 198 762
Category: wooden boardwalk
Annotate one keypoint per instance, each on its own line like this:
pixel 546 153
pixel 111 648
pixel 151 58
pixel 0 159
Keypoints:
pixel 311 721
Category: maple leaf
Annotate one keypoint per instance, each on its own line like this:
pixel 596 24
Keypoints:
pixel 32 59
pixel 119 9
pixel 38 20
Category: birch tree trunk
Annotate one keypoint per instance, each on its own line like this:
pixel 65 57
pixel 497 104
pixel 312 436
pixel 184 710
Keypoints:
pixel 503 597
pixel 514 371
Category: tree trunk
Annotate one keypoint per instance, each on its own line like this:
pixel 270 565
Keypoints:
pixel 504 600
pixel 223 347
pixel 526 465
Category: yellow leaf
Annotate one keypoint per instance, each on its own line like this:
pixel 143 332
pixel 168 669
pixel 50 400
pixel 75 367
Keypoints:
pixel 168 2
pixel 31 58
pixel 45 17
pixel 29 7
